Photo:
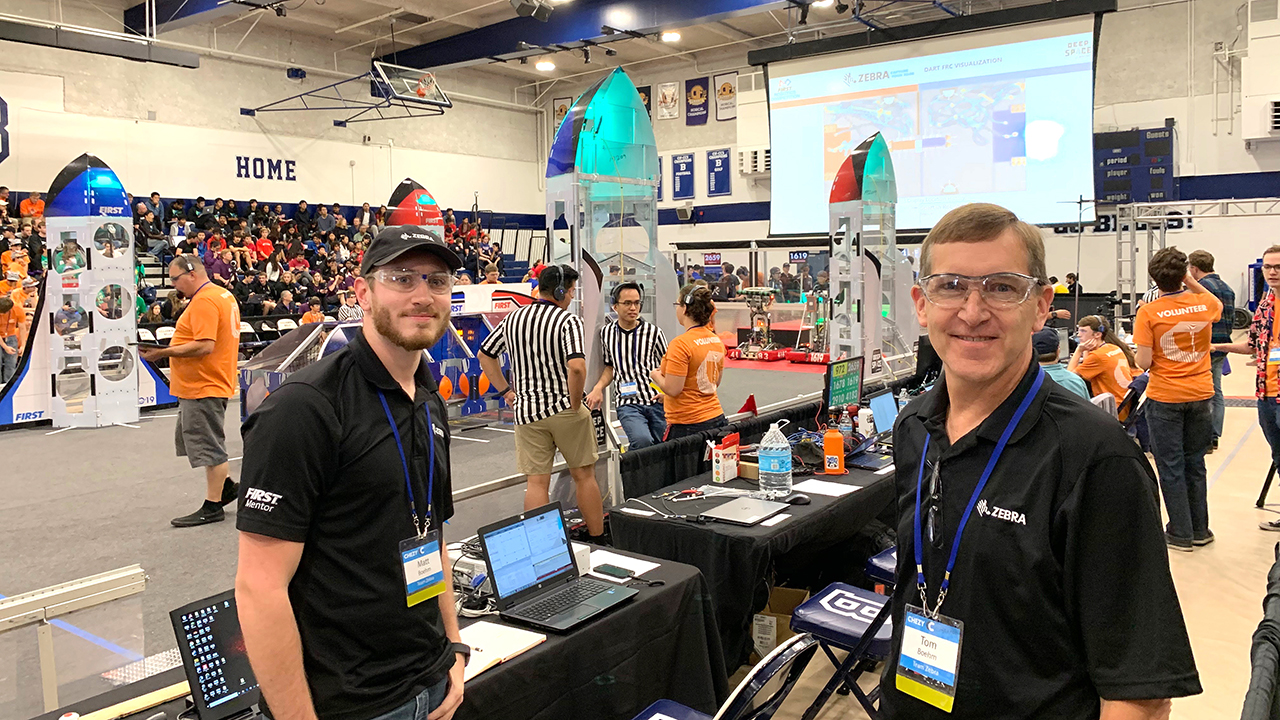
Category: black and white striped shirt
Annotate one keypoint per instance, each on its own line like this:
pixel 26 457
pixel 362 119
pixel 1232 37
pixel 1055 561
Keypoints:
pixel 633 354
pixel 541 339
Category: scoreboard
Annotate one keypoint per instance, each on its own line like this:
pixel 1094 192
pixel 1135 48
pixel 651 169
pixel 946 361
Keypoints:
pixel 1134 166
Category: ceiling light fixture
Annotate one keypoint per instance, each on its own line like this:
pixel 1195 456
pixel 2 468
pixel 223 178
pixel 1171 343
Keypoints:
pixel 670 36
pixel 545 65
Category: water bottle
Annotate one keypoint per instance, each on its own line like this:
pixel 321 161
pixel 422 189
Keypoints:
pixel 775 463
pixel 846 425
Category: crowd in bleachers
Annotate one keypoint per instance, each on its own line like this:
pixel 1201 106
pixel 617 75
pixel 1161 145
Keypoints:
pixel 276 261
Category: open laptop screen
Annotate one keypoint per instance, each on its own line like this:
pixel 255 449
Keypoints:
pixel 214 657
pixel 529 551
pixel 884 410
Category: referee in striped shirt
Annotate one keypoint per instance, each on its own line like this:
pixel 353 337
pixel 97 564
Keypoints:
pixel 548 376
pixel 631 349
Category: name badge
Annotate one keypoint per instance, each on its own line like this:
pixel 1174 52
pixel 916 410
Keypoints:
pixel 1274 356
pixel 423 568
pixel 629 389
pixel 929 661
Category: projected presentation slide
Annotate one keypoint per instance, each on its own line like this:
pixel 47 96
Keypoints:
pixel 1010 124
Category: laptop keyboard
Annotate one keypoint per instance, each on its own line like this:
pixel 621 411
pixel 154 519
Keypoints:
pixel 557 603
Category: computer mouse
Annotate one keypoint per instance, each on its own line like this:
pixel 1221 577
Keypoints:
pixel 798 499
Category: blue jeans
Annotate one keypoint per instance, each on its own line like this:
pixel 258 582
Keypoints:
pixel 1181 434
pixel 643 424
pixel 1269 419
pixel 1219 405
pixel 8 363
pixel 420 706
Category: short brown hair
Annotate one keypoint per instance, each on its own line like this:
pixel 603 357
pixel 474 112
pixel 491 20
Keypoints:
pixel 6 304
pixel 696 300
pixel 1201 260
pixel 1167 268
pixel 1272 249
pixel 980 222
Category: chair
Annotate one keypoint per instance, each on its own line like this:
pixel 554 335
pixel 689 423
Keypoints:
pixel 852 619
pixel 145 335
pixel 760 693
pixel 286 324
pixel 1107 402
pixel 164 334
pixel 883 567
pixel 246 328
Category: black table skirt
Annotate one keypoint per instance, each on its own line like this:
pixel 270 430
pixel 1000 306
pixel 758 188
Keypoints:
pixel 664 644
pixel 740 563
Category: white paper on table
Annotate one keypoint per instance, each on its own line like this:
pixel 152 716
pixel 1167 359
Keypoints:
pixel 775 519
pixel 885 470
pixel 604 557
pixel 824 487
pixel 637 511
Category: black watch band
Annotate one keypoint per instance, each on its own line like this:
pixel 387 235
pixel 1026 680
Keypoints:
pixel 463 650
pixel 505 390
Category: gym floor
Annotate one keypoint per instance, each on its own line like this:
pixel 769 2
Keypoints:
pixel 83 502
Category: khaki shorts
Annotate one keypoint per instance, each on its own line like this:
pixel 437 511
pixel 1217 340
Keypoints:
pixel 198 435
pixel 570 432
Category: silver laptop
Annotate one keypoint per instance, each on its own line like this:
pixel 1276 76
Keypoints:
pixel 744 511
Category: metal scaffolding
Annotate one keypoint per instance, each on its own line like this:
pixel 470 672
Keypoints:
pixel 1157 219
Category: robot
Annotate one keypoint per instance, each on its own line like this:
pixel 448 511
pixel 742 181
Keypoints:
pixel 760 345
pixel 817 308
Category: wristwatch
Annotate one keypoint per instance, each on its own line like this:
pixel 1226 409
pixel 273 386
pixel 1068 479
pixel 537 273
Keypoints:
pixel 463 650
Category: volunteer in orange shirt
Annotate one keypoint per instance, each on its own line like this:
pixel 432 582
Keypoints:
pixel 13 337
pixel 202 375
pixel 1173 335
pixel 691 370
pixel 1102 359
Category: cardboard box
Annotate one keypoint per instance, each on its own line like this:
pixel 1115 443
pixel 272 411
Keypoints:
pixel 773 624
pixel 724 459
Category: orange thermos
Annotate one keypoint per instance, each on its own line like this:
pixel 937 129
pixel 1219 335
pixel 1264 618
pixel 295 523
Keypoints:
pixel 833 446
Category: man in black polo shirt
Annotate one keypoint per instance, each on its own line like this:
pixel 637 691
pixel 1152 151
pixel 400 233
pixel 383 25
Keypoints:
pixel 343 586
pixel 1045 582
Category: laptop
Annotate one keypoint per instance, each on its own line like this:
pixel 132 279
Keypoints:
pixel 214 658
pixel 744 511
pixel 535 578
pixel 884 411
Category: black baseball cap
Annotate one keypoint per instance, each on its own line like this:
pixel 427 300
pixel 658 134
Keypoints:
pixel 396 240
pixel 1045 341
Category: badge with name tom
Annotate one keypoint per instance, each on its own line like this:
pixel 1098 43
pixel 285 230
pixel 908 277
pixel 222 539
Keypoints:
pixel 929 661
pixel 423 568
pixel 629 389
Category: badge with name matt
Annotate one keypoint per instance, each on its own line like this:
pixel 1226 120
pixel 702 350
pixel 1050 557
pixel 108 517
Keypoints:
pixel 929 662
pixel 629 389
pixel 423 569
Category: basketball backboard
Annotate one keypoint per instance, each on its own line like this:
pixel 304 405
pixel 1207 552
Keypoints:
pixel 409 85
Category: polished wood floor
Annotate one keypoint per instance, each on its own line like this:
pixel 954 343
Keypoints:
pixel 1220 586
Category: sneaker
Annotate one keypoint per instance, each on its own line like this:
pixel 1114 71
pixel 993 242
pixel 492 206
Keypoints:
pixel 1202 541
pixel 230 492
pixel 1273 526
pixel 210 512
pixel 1177 543
pixel 1215 444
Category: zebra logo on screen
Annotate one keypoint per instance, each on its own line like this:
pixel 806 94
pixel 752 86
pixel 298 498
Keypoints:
pixel 4 130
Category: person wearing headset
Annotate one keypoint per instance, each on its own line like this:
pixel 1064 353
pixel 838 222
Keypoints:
pixel 1102 359
pixel 691 370
pixel 631 349
pixel 548 378
pixel 202 375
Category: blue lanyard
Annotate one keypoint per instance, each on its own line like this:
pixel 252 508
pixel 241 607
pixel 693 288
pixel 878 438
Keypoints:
pixel 973 499
pixel 420 525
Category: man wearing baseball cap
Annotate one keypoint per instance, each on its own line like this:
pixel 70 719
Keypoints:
pixel 345 489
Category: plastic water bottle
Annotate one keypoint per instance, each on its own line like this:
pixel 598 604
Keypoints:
pixel 846 425
pixel 775 463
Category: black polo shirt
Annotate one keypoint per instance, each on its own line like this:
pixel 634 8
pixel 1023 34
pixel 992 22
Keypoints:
pixel 1062 577
pixel 321 468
